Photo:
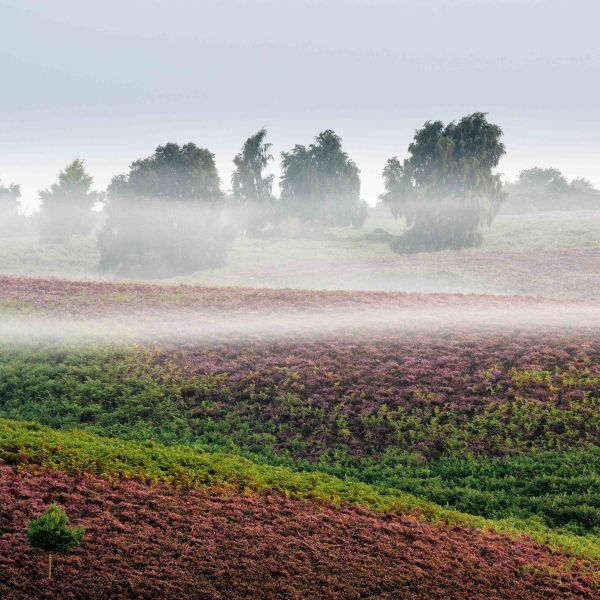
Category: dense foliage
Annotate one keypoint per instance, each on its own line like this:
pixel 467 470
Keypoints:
pixel 173 172
pixel 447 189
pixel 67 206
pixel 51 531
pixel 532 453
pixel 321 184
pixel 163 217
pixel 193 468
pixel 493 423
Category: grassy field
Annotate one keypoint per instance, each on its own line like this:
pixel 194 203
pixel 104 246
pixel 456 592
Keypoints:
pixel 520 254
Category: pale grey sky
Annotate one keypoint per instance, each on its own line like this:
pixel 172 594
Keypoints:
pixel 109 81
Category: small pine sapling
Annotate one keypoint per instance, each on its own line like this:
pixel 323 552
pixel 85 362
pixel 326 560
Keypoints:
pixel 51 532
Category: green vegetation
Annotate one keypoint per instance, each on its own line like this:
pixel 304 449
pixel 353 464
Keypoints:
pixel 539 189
pixel 489 464
pixel 321 184
pixel 139 240
pixel 51 532
pixel 83 453
pixel 67 206
pixel 252 190
pixel 447 189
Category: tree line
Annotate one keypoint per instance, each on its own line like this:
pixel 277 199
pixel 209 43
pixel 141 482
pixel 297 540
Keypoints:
pixel 168 214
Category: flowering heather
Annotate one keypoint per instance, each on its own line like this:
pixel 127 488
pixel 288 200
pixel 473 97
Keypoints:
pixel 150 542
pixel 422 410
pixel 89 297
pixel 494 422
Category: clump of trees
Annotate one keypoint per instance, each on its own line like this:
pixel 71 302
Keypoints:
pixel 67 206
pixel 539 189
pixel 13 222
pixel 51 532
pixel 447 188
pixel 168 215
pixel 320 184
pixel 164 217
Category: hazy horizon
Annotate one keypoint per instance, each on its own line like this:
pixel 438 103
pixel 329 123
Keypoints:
pixel 110 82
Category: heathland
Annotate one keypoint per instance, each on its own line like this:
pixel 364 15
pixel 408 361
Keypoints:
pixel 220 440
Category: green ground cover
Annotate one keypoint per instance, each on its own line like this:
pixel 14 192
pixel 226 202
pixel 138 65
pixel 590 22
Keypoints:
pixel 521 457
pixel 78 452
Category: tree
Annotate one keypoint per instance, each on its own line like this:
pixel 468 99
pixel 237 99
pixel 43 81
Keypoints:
pixel 247 182
pixel 163 217
pixel 51 532
pixel 9 203
pixel 13 223
pixel 251 190
pixel 539 189
pixel 320 184
pixel 173 172
pixel 9 196
pixel 67 206
pixel 447 189
pixel 581 184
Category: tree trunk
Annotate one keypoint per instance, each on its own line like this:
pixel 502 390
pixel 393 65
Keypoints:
pixel 49 565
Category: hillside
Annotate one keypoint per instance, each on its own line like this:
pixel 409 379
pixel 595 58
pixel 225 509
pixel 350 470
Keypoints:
pixel 149 542
pixel 355 430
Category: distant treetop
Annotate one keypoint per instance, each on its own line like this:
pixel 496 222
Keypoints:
pixel 173 172
pixel 447 188
pixel 321 183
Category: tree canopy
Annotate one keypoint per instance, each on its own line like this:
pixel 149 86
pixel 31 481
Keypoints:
pixel 539 189
pixel 248 182
pixel 9 195
pixel 67 205
pixel 252 190
pixel 51 532
pixel 173 172
pixel 162 217
pixel 321 183
pixel 447 188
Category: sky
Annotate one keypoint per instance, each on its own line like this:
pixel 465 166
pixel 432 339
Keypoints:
pixel 109 81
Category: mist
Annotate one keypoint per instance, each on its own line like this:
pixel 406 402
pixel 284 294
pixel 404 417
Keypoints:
pixel 199 326
pixel 175 243
pixel 299 299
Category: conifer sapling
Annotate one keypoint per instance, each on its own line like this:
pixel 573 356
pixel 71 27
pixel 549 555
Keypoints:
pixel 51 532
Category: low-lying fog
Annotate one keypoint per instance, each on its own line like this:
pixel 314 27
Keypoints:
pixel 554 255
pixel 205 327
